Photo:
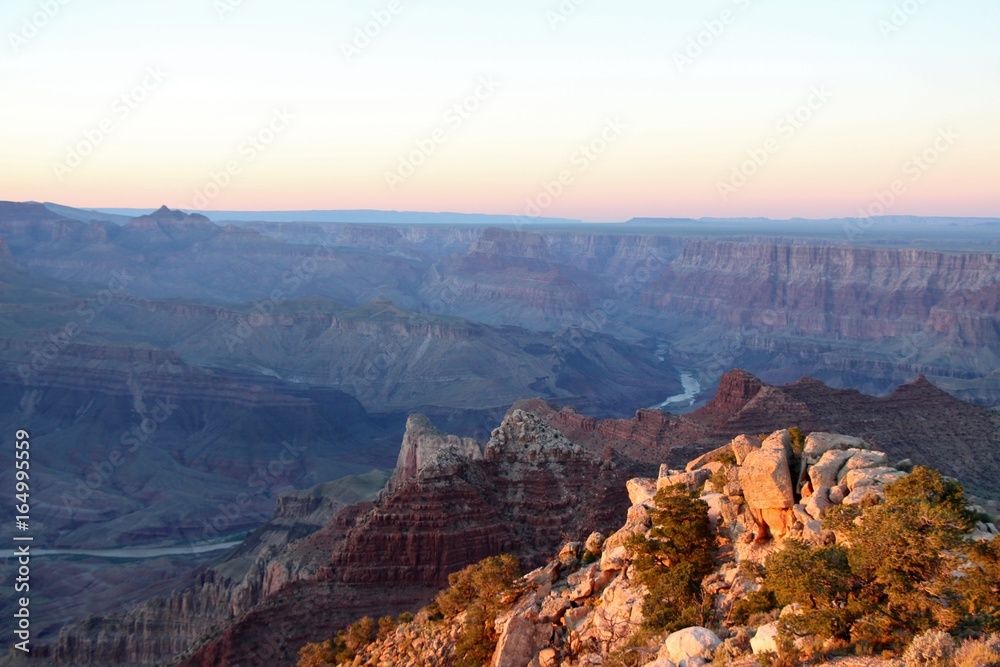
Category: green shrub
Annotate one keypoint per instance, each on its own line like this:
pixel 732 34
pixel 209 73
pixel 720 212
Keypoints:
pixel 483 591
pixel 386 626
pixel 673 559
pixel 719 479
pixel 798 439
pixel 347 644
pixel 756 602
pixel 485 583
pixel 903 568
pixel 980 587
pixel 816 578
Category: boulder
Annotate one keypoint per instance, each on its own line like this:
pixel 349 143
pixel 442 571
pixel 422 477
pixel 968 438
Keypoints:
pixel 728 511
pixel 641 490
pixel 778 521
pixel 824 472
pixel 689 643
pixel 867 459
pixel 818 444
pixel 547 658
pixel 766 639
pixel 813 531
pixel 818 503
pixel 714 502
pixel 594 543
pixel 520 641
pixel 801 515
pixel 660 662
pixel 638 516
pixel 614 559
pixel 575 617
pixel 618 612
pixel 859 477
pixel 779 441
pixel 553 609
pixel 569 552
pixel 690 480
pixel 838 493
pixel 766 481
pixel 584 582
pixel 713 456
pixel 862 493
pixel 743 445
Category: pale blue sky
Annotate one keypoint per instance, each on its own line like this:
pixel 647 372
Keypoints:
pixel 354 121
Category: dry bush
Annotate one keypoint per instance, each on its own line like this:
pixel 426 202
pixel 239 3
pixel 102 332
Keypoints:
pixel 932 648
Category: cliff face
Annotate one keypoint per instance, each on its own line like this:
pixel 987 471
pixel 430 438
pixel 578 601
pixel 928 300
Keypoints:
pixel 837 292
pixel 918 421
pixel 421 443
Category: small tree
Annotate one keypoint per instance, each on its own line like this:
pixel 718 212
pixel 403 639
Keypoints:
pixel 482 591
pixel 320 654
pixel 905 551
pixel 673 559
pixel 980 587
pixel 798 439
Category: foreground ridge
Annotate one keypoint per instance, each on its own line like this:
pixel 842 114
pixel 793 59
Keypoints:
pixel 764 502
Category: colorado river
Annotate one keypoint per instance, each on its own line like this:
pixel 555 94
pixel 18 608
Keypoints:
pixel 148 552
pixel 691 390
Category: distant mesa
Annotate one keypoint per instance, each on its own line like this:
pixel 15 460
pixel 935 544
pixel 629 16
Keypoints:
pixel 166 215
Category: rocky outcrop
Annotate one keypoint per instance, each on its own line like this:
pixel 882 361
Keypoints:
pixel 422 442
pixel 531 487
pixel 917 421
pixel 576 612
pixel 542 467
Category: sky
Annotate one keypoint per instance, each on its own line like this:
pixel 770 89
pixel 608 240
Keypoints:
pixel 592 109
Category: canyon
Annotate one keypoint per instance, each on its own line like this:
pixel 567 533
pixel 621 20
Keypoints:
pixel 193 380
pixel 547 475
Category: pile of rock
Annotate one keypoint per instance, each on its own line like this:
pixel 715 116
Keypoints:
pixel 417 644
pixel 586 605
pixel 773 491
